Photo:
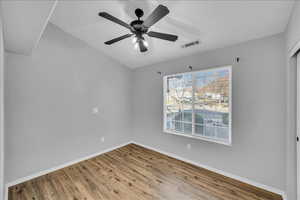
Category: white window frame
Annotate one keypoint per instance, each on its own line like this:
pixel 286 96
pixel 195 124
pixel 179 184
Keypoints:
pixel 165 130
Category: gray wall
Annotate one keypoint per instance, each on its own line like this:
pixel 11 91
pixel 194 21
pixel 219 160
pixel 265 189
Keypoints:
pixel 292 37
pixel 1 113
pixel 258 149
pixel 49 97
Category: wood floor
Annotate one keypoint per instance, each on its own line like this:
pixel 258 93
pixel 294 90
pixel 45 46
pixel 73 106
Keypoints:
pixel 135 173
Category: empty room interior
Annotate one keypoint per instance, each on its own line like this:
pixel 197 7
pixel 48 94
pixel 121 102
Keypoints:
pixel 149 99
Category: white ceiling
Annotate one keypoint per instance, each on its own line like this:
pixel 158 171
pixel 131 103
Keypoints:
pixel 215 23
pixel 24 22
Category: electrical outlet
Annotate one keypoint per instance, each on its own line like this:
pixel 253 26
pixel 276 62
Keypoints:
pixel 188 146
pixel 102 139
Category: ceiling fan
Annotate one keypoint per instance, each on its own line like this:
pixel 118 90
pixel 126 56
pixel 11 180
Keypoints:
pixel 139 28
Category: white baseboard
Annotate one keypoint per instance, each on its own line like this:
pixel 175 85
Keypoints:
pixel 47 171
pixel 239 178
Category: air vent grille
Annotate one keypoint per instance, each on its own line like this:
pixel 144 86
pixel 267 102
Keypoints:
pixel 190 44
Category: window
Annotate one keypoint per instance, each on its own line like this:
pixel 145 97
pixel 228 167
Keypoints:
pixel 198 104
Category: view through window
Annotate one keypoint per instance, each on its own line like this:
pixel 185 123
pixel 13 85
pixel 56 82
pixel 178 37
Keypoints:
pixel 198 104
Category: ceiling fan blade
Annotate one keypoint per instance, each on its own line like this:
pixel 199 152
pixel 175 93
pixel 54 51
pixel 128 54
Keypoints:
pixel 143 48
pixel 118 39
pixel 114 19
pixel 163 36
pixel 187 30
pixel 159 12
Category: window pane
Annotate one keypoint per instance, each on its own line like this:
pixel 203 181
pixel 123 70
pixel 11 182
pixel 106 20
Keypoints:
pixel 209 132
pixel 199 116
pixel 208 107
pixel 199 130
pixel 188 128
pixel 212 103
pixel 178 126
pixel 222 132
pixel 187 114
pixel 179 102
pixel 170 125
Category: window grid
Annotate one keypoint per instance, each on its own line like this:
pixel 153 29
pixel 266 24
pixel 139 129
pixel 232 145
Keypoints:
pixel 193 103
pixel 193 123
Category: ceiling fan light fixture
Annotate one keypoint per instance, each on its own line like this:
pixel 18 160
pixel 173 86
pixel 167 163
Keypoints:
pixel 145 43
pixel 136 46
pixel 134 40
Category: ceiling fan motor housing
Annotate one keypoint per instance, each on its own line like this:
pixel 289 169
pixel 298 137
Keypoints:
pixel 138 27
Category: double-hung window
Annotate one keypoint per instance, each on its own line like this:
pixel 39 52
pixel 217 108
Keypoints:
pixel 198 104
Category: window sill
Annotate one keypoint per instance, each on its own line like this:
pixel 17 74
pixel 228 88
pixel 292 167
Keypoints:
pixel 199 138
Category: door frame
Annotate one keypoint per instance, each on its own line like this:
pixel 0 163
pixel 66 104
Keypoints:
pixel 293 110
pixel 298 124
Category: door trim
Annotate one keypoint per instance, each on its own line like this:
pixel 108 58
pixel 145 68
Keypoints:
pixel 298 125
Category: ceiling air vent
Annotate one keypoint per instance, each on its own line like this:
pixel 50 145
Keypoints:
pixel 190 44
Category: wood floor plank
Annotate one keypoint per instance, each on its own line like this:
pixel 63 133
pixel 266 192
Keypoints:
pixel 136 173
